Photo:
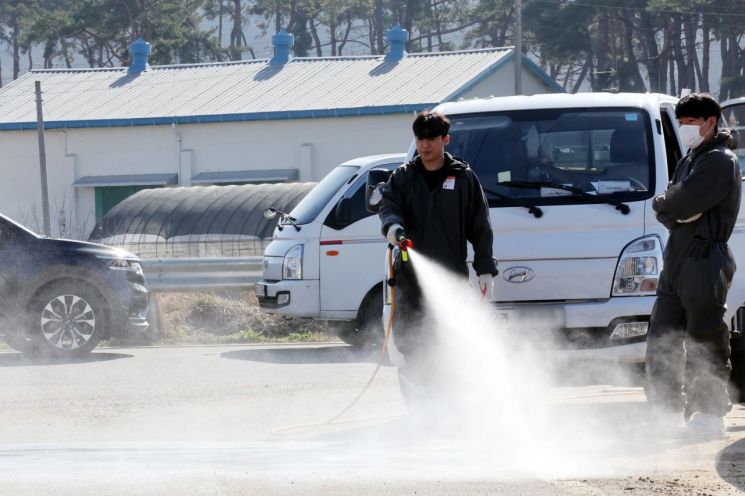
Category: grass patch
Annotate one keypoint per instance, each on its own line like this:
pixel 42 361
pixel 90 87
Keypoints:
pixel 227 317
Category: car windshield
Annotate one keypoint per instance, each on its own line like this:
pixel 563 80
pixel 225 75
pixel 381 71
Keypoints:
pixel 598 151
pixel 309 207
pixel 735 116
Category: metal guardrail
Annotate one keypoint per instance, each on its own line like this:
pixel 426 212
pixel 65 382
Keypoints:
pixel 186 274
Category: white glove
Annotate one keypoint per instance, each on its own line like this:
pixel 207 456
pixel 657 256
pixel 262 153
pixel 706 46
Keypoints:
pixel 486 285
pixel 391 234
pixel 689 219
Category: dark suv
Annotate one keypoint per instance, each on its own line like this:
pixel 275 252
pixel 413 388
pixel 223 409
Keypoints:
pixel 62 297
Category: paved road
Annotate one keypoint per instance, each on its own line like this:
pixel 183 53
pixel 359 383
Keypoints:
pixel 248 420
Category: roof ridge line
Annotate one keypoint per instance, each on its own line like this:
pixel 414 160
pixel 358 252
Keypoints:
pixel 266 61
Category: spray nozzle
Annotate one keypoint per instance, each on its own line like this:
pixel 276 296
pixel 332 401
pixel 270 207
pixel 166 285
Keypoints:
pixel 404 245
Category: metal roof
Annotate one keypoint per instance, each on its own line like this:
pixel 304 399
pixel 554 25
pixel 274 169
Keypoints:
pixel 250 176
pixel 248 90
pixel 127 180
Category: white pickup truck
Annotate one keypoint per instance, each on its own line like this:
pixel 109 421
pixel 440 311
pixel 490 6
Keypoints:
pixel 577 244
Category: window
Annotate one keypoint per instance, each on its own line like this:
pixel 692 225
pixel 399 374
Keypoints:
pixel 601 151
pixel 356 194
pixel 309 207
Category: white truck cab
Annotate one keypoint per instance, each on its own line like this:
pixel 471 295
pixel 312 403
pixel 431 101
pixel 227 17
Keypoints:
pixel 570 180
pixel 322 261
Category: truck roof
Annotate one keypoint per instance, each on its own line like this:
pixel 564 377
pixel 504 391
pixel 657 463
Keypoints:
pixel 555 100
pixel 372 160
pixel 733 101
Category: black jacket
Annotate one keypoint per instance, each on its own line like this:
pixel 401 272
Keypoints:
pixel 439 222
pixel 708 181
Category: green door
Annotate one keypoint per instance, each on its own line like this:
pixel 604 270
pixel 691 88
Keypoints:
pixel 107 197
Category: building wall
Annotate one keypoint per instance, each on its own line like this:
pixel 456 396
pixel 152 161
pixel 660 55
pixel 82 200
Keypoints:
pixel 314 146
pixel 502 83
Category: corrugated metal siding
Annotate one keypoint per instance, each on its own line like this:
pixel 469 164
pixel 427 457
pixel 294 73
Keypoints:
pixel 244 88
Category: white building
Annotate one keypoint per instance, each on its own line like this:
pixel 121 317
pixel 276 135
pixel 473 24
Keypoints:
pixel 111 132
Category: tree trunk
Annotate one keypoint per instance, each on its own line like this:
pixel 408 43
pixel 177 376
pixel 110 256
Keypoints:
pixel 332 34
pixel 665 58
pixel 633 63
pixel 66 53
pixel 236 32
pixel 15 33
pixel 379 27
pixel 316 38
pixel 677 44
pixel 602 52
pixel 219 22
pixel 690 26
pixel 347 30
pixel 706 49
pixel 652 53
pixel 582 75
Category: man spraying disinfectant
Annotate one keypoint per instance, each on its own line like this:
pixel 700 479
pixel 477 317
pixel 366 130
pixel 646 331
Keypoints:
pixel 435 203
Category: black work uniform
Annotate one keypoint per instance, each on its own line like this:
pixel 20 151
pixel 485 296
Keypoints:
pixel 440 211
pixel 688 343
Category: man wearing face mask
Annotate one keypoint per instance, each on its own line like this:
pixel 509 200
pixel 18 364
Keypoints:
pixel 688 342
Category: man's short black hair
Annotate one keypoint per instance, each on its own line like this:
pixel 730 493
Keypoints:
pixel 698 105
pixel 429 125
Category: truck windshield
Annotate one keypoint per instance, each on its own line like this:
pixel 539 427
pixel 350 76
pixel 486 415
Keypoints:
pixel 598 151
pixel 735 116
pixel 309 207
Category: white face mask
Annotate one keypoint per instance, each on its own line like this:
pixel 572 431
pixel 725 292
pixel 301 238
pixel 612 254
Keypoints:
pixel 690 134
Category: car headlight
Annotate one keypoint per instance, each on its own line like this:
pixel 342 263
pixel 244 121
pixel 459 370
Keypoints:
pixel 121 263
pixel 292 264
pixel 639 267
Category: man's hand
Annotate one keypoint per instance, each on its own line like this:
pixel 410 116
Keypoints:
pixel 665 221
pixel 486 285
pixel 395 234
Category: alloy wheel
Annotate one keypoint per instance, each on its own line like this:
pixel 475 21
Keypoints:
pixel 68 322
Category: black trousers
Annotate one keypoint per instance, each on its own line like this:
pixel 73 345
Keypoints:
pixel 688 349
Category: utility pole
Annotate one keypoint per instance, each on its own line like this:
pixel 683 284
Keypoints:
pixel 42 160
pixel 518 48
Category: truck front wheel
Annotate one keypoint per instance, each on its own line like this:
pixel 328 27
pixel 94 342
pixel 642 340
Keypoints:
pixel 367 329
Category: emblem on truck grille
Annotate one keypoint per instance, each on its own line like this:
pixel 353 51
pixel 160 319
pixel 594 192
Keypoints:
pixel 518 274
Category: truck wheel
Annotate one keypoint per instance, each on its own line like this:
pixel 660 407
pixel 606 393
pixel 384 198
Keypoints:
pixel 737 379
pixel 367 329
pixel 67 319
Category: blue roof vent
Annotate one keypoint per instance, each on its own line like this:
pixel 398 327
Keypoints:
pixel 282 43
pixel 397 37
pixel 140 50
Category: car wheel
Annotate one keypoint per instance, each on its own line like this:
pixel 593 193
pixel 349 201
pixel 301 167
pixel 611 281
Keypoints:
pixel 367 329
pixel 67 318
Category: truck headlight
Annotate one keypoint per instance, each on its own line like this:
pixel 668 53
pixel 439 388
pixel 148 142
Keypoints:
pixel 292 264
pixel 639 267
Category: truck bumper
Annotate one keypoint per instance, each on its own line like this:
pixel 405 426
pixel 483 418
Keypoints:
pixel 294 298
pixel 592 331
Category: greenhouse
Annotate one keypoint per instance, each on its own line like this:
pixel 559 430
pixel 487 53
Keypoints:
pixel 200 221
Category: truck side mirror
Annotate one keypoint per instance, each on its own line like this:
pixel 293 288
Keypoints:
pixel 376 179
pixel 342 212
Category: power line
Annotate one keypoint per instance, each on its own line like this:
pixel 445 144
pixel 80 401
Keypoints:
pixel 637 9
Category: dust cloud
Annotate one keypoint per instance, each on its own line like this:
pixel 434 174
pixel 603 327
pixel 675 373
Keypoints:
pixel 495 410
